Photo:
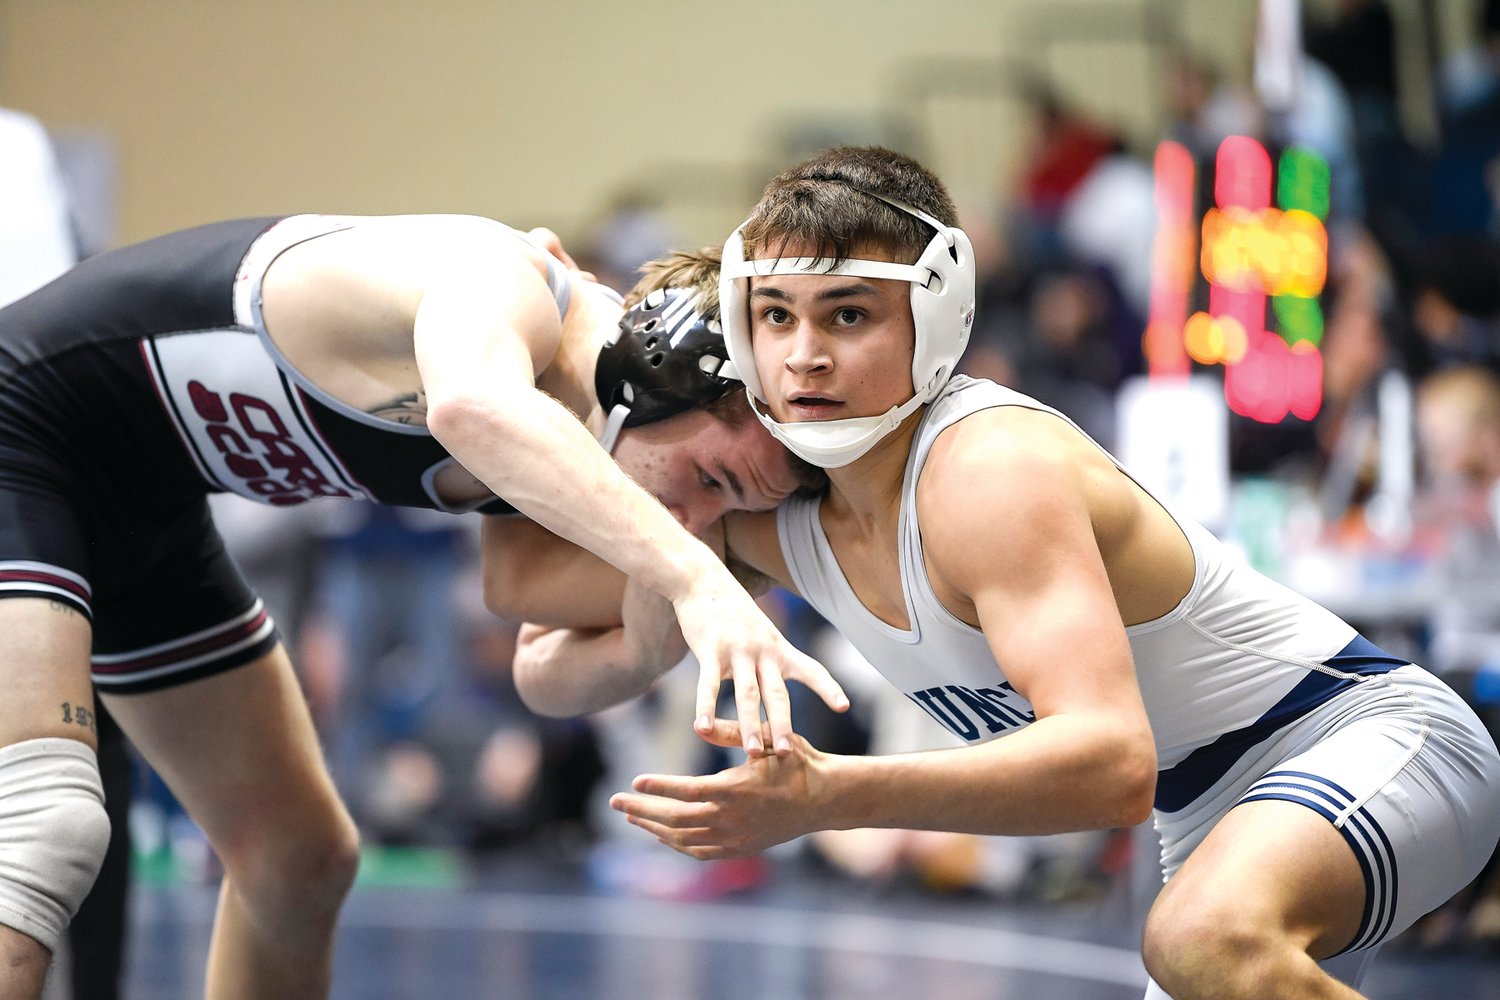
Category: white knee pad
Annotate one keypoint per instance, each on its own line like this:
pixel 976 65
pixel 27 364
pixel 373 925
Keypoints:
pixel 53 832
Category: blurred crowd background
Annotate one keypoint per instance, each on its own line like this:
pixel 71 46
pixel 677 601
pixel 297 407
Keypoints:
pixel 1383 505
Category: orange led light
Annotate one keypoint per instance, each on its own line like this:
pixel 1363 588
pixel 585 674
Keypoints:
pixel 1251 253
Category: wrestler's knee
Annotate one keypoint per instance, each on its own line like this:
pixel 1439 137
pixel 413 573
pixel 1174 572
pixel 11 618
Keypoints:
pixel 53 834
pixel 301 862
pixel 1195 947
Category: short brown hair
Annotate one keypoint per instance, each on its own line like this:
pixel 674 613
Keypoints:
pixel 820 203
pixel 694 269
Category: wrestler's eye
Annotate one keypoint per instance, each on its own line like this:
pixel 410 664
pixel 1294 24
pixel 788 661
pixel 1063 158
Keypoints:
pixel 848 317
pixel 776 315
pixel 708 482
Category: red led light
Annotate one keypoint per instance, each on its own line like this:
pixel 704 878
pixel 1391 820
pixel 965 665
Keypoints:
pixel 1242 174
pixel 1172 264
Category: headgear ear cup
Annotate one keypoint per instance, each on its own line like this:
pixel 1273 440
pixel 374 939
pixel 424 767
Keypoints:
pixel 734 311
pixel 942 316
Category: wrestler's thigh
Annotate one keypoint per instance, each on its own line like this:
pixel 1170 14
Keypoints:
pixel 44 671
pixel 45 626
pixel 238 748
pixel 1278 866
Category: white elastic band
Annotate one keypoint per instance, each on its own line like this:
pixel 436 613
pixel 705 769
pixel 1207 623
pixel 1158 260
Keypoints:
pixel 612 426
pixel 767 266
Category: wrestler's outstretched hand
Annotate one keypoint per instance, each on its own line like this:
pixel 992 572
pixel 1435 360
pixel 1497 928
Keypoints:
pixel 733 639
pixel 740 811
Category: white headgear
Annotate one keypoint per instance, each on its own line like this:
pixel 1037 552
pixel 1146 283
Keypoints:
pixel 942 309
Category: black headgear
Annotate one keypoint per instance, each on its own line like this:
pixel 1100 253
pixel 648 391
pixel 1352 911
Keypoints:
pixel 668 357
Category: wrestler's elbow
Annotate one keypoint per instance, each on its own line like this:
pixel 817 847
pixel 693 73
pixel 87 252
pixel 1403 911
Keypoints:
pixel 541 701
pixel 1133 783
pixel 536 678
pixel 503 587
pixel 453 417
pixel 536 696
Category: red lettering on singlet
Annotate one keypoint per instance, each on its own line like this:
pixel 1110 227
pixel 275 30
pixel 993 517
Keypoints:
pixel 258 450
pixel 208 404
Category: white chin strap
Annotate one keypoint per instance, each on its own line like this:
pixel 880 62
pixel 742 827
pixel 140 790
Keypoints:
pixel 833 444
pixel 610 436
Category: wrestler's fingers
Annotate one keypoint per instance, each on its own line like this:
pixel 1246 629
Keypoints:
pixel 665 812
pixel 685 788
pixel 817 678
pixel 552 243
pixel 710 676
pixel 671 836
pixel 726 733
pixel 700 852
pixel 778 707
pixel 747 700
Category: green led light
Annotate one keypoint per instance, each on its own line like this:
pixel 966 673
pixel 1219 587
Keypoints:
pixel 1302 181
pixel 1298 319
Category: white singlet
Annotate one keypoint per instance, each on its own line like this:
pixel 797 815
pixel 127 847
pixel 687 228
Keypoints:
pixel 1238 681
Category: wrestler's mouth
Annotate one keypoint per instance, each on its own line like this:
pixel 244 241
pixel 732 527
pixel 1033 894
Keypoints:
pixel 813 406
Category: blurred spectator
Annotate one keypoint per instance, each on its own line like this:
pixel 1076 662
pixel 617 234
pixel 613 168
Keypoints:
pixel 1072 360
pixel 1458 433
pixel 1358 44
pixel 1347 109
pixel 480 770
pixel 36 227
pixel 1357 348
pixel 1411 193
pixel 1455 304
pixel 1458 509
pixel 1001 289
pixel 1462 190
pixel 1458 425
pixel 1205 107
pixel 1110 221
pixel 1066 148
pixel 1470 76
pixel 631 232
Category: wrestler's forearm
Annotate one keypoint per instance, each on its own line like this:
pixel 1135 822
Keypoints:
pixel 1059 774
pixel 533 452
pixel 532 575
pixel 567 672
